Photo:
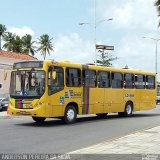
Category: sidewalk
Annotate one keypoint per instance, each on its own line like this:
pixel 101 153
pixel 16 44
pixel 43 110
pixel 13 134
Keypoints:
pixel 141 142
pixel 4 115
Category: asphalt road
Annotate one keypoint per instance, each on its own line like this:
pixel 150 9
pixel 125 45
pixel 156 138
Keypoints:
pixel 22 135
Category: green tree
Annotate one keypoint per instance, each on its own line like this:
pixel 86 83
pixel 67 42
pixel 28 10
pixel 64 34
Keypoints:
pixel 17 44
pixel 105 58
pixel 9 39
pixel 157 4
pixel 28 45
pixel 2 31
pixel 45 45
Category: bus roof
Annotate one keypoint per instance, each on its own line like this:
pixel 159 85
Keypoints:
pixel 92 66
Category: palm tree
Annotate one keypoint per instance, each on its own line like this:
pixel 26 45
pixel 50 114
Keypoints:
pixel 45 45
pixel 9 39
pixel 2 31
pixel 17 44
pixel 28 44
pixel 157 4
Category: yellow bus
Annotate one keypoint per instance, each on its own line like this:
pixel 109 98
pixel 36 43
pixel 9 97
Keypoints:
pixel 48 89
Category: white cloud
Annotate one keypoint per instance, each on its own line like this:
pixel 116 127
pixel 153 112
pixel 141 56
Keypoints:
pixel 73 48
pixel 136 53
pixel 21 31
pixel 129 14
pixel 131 21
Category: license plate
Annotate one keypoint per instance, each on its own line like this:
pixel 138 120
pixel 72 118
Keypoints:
pixel 23 113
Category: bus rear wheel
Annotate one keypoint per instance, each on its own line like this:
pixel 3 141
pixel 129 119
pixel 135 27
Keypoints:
pixel 39 119
pixel 128 109
pixel 70 114
pixel 102 115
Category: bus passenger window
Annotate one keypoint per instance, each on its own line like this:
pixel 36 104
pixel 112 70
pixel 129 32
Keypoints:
pixel 117 80
pixel 139 81
pixel 150 82
pixel 55 85
pixel 128 80
pixel 89 78
pixel 103 79
pixel 73 77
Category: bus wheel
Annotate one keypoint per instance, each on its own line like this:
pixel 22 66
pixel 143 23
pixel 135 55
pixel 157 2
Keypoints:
pixel 102 115
pixel 128 109
pixel 39 119
pixel 70 114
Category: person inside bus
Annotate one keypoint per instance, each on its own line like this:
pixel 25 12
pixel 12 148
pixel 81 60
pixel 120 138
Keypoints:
pixel 33 82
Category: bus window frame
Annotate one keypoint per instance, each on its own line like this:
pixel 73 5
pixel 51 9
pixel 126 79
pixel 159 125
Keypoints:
pixel 133 81
pixel 154 83
pixel 98 79
pixel 144 81
pixel 84 78
pixel 122 81
pixel 66 76
pixel 50 80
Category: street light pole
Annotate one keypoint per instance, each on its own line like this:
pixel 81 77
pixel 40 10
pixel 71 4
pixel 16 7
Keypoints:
pixel 94 24
pixel 156 50
pixel 156 53
pixel 95 31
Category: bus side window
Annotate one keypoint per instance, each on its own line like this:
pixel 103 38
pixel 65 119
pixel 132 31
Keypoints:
pixel 150 82
pixel 117 80
pixel 89 78
pixel 55 85
pixel 139 81
pixel 128 80
pixel 103 79
pixel 73 77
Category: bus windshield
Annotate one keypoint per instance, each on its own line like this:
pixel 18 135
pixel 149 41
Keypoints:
pixel 27 84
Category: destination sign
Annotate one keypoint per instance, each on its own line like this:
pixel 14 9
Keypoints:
pixel 29 64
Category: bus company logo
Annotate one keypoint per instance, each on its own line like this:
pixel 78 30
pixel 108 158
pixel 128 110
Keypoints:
pixel 72 94
pixel 128 95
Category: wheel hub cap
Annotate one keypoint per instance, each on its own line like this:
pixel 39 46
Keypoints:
pixel 128 109
pixel 70 114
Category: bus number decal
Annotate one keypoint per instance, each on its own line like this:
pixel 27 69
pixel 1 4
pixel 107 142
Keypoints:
pixel 129 95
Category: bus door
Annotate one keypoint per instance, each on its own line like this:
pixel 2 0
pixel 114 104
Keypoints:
pixel 148 94
pixel 55 99
pixel 73 89
pixel 117 92
pixel 93 97
pixel 104 89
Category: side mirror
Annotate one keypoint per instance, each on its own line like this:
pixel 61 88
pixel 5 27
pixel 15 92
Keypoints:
pixel 54 75
pixel 0 85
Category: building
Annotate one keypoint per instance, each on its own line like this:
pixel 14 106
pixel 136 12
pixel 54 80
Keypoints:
pixel 6 61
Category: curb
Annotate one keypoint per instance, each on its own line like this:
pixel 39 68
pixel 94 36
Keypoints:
pixel 110 140
pixel 4 115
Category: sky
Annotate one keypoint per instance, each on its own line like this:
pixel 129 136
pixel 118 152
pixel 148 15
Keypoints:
pixel 132 20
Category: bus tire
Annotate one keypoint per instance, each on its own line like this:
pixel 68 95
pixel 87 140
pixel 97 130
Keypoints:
pixel 70 114
pixel 39 119
pixel 128 109
pixel 102 115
